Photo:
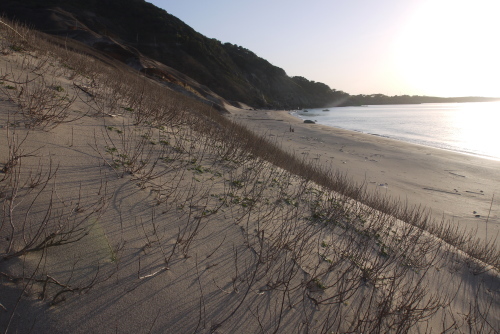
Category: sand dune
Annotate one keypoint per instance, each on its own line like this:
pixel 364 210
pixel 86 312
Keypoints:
pixel 128 208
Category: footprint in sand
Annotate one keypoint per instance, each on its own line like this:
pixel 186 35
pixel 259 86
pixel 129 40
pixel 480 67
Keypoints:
pixel 456 174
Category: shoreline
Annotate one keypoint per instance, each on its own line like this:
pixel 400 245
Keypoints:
pixel 478 155
pixel 118 207
pixel 487 157
pixel 452 185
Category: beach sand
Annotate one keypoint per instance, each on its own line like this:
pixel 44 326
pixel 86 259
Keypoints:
pixel 454 186
pixel 154 226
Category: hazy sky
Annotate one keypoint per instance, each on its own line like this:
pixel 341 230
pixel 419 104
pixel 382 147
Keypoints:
pixel 393 47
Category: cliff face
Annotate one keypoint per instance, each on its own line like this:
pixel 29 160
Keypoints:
pixel 132 28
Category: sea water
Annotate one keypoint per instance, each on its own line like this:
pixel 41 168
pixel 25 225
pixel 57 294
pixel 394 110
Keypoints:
pixel 472 128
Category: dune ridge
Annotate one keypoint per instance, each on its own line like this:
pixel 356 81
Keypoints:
pixel 127 207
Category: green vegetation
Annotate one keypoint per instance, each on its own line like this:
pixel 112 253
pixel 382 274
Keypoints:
pixel 231 71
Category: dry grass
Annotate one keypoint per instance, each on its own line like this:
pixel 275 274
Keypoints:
pixel 327 255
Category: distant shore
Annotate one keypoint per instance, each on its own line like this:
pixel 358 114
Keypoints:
pixel 455 186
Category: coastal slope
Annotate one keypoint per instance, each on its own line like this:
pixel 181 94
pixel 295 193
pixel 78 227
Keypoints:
pixel 128 207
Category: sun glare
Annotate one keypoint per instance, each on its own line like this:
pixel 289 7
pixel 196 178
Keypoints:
pixel 477 127
pixel 450 48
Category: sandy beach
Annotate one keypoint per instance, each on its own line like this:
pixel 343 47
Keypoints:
pixel 455 186
pixel 126 210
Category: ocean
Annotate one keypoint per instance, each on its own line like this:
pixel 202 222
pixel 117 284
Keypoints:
pixel 471 128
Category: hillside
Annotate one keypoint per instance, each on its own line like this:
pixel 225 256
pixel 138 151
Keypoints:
pixel 151 40
pixel 231 71
pixel 127 207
